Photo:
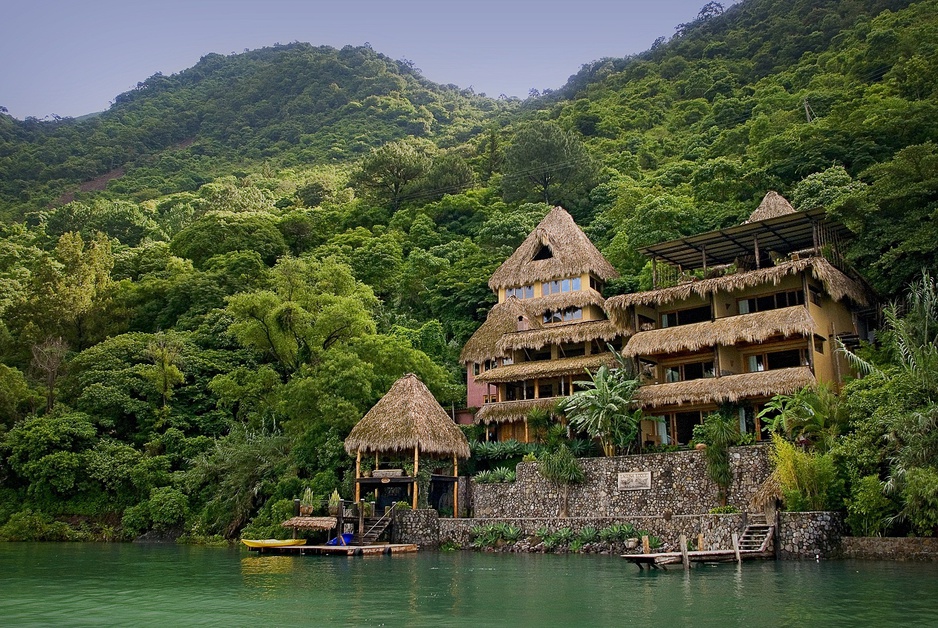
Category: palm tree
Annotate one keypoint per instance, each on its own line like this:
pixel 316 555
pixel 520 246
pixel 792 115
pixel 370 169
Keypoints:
pixel 603 408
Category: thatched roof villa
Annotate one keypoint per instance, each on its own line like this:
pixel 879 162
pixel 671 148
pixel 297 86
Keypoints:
pixel 736 316
pixel 765 319
pixel 548 326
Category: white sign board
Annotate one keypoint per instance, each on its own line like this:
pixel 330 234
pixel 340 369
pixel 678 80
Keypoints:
pixel 637 481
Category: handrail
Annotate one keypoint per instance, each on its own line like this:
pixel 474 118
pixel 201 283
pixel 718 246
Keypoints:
pixel 386 515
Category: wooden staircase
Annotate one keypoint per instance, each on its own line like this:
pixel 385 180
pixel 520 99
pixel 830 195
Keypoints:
pixel 757 537
pixel 372 529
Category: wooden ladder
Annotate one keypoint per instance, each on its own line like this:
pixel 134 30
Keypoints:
pixel 758 534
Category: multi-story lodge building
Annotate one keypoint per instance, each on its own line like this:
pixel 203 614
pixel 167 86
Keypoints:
pixel 546 329
pixel 736 316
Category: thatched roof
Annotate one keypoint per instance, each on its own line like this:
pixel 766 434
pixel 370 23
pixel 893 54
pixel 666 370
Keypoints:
pixel 502 319
pixel 837 284
pixel 564 300
pixel 572 254
pixel 310 523
pixel 727 389
pixel 546 368
pixel 773 204
pixel 754 327
pixel 509 411
pixel 407 417
pixel 582 331
pixel 769 492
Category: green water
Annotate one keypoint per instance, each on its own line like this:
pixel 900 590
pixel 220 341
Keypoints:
pixel 133 585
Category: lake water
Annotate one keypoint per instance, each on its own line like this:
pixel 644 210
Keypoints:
pixel 166 585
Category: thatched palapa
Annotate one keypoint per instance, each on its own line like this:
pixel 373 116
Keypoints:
pixel 546 368
pixel 837 284
pixel 580 331
pixel 502 319
pixel 570 254
pixel 726 389
pixel 310 523
pixel 510 411
pixel 754 327
pixel 773 205
pixel 407 418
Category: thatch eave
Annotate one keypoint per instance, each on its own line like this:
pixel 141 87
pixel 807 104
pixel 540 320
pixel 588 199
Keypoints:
pixel 728 331
pixel 502 319
pixel 838 285
pixel 726 389
pixel 511 411
pixel 584 331
pixel 522 371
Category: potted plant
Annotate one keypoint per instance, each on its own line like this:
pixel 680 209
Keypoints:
pixel 334 503
pixel 306 502
pixel 366 467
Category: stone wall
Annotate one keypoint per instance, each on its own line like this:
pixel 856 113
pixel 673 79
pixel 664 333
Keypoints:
pixel 417 526
pixel 716 529
pixel 890 548
pixel 810 535
pixel 678 484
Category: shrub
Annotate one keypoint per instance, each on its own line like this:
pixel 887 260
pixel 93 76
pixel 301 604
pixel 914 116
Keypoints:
pixel 920 496
pixel 167 508
pixel 809 481
pixel 868 509
pixel 589 534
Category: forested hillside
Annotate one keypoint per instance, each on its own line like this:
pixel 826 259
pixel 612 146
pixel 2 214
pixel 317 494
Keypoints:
pixel 266 241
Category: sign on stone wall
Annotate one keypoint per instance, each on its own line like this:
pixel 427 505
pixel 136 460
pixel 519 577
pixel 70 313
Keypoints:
pixel 637 481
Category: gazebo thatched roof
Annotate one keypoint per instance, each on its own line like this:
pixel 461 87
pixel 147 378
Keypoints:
pixel 571 254
pixel 546 368
pixel 559 334
pixel 837 284
pixel 408 417
pixel 754 327
pixel 510 411
pixel 726 389
pixel 502 319
pixel 773 204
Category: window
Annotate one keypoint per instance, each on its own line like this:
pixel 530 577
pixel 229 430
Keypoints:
pixel 561 285
pixel 522 292
pixel 777 360
pixel 815 295
pixel 771 301
pixel 687 372
pixel 559 316
pixel 507 361
pixel 819 344
pixel 545 389
pixel 596 284
pixel 572 349
pixel 541 354
pixel 544 252
pixel 476 368
pixel 686 317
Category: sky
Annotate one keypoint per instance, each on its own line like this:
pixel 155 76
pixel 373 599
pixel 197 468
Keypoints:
pixel 73 57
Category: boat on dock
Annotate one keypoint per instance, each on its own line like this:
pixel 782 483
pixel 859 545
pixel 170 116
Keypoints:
pixel 259 543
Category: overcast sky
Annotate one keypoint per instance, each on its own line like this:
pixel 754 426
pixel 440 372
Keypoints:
pixel 72 57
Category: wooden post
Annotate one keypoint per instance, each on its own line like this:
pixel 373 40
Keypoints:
pixel 455 487
pixel 416 472
pixel 646 546
pixel 654 273
pixel 361 521
pixel 700 542
pixel 340 522
pixel 755 244
pixel 684 557
pixel 358 474
pixel 739 559
pixel 526 430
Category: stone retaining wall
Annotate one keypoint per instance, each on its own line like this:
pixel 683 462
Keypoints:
pixel 678 484
pixel 810 535
pixel 890 548
pixel 416 526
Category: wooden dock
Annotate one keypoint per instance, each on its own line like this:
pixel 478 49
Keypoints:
pixel 754 545
pixel 385 549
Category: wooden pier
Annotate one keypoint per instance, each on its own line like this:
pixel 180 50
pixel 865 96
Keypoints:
pixel 757 539
pixel 382 549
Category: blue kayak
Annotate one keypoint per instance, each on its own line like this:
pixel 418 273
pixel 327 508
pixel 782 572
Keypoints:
pixel 345 537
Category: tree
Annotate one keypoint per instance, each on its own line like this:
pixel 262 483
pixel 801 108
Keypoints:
pixel 720 431
pixel 560 467
pixel 548 164
pixel 603 409
pixel 48 358
pixel 390 171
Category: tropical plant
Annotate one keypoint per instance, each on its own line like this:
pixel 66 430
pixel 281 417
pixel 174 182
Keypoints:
pixel 720 431
pixel 813 416
pixel 602 408
pixel 808 480
pixel 868 509
pixel 561 468
pixel 589 534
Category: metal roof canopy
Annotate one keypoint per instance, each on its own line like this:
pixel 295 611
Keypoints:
pixel 787 233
